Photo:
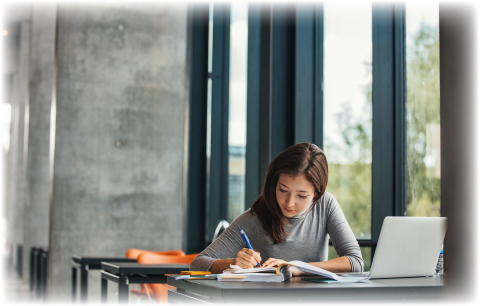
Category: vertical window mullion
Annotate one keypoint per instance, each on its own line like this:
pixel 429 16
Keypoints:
pixel 282 78
pixel 217 205
pixel 305 76
pixel 383 117
pixel 309 73
pixel 196 189
pixel 400 109
pixel 265 95
pixel 253 183
pixel 319 68
pixel 388 161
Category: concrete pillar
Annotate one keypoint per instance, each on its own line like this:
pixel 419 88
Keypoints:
pixel 37 193
pixel 17 177
pixel 118 150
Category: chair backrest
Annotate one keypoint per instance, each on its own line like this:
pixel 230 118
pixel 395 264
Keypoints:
pixel 154 258
pixel 134 253
pixel 221 226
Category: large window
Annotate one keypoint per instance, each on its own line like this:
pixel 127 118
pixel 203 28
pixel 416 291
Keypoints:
pixel 423 109
pixel 361 81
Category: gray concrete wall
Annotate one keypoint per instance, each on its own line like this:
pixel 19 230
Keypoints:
pixel 37 175
pixel 118 165
pixel 17 177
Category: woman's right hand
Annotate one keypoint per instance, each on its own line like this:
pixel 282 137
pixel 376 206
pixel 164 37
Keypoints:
pixel 247 258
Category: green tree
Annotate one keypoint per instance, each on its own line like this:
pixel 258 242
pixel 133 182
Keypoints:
pixel 350 182
pixel 423 111
pixel 350 179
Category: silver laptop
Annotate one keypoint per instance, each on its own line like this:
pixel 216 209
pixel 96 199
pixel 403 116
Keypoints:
pixel 407 247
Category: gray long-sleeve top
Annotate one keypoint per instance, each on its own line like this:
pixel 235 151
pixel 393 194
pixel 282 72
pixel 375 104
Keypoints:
pixel 307 240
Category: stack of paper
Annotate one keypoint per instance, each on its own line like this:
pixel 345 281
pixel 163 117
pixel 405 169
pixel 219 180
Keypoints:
pixel 255 275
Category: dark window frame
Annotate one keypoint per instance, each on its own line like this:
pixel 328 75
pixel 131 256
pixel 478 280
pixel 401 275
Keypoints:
pixel 388 101
pixel 197 28
pixel 217 174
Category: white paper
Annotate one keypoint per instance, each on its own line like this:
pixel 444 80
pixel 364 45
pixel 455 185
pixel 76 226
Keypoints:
pixel 347 279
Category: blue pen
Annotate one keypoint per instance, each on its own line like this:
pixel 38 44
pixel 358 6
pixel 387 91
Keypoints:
pixel 245 238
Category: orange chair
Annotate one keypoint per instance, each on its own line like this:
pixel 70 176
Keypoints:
pixel 134 253
pixel 160 291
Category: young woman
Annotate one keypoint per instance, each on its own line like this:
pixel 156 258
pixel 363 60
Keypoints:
pixel 290 220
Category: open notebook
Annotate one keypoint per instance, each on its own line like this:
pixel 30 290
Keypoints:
pixel 273 274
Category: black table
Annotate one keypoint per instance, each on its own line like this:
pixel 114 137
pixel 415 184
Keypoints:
pixel 34 259
pixel 84 264
pixel 38 271
pixel 296 290
pixel 134 273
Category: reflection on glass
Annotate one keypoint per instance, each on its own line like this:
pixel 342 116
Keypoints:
pixel 348 110
pixel 208 152
pixel 238 107
pixel 423 110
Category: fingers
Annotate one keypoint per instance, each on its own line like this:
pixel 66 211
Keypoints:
pixel 295 271
pixel 247 258
pixel 269 262
pixel 252 255
pixel 272 262
pixel 256 256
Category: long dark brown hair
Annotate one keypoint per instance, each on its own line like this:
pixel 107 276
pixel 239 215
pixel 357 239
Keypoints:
pixel 302 158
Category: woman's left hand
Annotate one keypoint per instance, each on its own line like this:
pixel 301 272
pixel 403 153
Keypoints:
pixel 274 262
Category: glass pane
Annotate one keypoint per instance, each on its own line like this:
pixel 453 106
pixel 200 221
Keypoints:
pixel 348 110
pixel 423 110
pixel 237 133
